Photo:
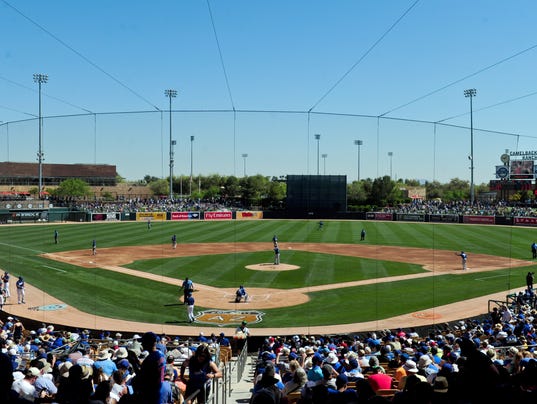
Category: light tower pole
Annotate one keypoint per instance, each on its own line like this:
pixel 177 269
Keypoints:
pixel 324 156
pixel 358 143
pixel 191 161
pixel 171 94
pixel 318 138
pixel 471 93
pixel 40 79
pixel 390 155
pixel 244 155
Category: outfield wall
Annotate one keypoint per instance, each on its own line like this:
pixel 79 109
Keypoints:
pixel 28 215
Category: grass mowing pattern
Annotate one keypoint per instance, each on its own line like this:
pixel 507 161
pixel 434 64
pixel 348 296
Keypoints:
pixel 121 296
pixel 229 270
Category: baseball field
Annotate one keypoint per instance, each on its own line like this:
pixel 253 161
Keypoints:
pixel 327 278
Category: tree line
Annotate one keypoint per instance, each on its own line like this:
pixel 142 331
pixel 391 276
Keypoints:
pixel 265 192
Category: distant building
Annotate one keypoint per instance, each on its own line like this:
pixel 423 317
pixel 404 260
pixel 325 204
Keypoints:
pixel 416 193
pixel 27 174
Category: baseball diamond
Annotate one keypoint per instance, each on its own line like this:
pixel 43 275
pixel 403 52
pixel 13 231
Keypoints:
pixel 434 263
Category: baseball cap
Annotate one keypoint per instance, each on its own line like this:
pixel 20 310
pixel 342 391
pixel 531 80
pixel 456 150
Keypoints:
pixel 33 371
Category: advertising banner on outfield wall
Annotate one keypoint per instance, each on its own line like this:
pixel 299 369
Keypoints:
pixel 248 215
pixel 411 217
pixel 106 217
pixel 478 219
pixel 218 215
pixel 379 216
pixel 185 216
pixel 145 216
pixel 444 218
pixel 525 221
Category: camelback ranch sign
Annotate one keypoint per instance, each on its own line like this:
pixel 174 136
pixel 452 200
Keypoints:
pixel 229 317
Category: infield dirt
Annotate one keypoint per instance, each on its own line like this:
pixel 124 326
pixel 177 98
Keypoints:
pixel 436 262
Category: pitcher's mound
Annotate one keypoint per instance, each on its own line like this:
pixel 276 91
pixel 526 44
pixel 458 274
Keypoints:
pixel 272 267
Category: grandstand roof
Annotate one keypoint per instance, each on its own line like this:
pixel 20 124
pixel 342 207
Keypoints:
pixel 25 170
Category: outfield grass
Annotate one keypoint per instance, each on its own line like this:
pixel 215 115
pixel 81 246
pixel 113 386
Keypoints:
pixel 105 293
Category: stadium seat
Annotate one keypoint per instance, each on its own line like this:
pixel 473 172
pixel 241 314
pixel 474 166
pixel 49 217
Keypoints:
pixel 386 393
pixel 294 397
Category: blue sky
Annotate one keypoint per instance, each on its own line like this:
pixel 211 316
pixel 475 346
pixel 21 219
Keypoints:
pixel 379 71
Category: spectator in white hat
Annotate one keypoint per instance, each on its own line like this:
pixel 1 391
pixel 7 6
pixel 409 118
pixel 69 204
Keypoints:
pixel 44 386
pixel 25 387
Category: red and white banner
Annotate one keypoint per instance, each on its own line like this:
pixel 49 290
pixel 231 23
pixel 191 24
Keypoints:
pixel 245 215
pixel 218 215
pixel 478 219
pixel 526 221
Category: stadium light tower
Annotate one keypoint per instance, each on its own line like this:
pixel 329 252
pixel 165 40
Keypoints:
pixel 471 93
pixel 318 138
pixel 191 161
pixel 358 143
pixel 171 94
pixel 40 79
pixel 390 155
pixel 244 155
pixel 324 156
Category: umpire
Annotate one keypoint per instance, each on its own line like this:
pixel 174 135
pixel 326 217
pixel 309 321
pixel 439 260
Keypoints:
pixel 188 288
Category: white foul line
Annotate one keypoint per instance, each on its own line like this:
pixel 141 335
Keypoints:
pixel 489 277
pixel 56 269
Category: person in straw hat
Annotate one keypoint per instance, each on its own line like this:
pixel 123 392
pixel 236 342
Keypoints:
pixel 105 364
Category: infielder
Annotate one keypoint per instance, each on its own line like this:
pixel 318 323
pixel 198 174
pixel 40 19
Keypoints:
pixel 464 258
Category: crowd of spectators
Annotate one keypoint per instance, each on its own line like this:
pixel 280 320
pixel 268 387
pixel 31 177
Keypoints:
pixel 489 360
pixel 65 367
pixel 438 207
pixel 158 205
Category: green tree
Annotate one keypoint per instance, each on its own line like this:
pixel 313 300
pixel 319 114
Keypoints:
pixel 275 194
pixel 385 192
pixel 253 189
pixel 434 190
pixel 412 183
pixel 457 190
pixel 149 179
pixel 232 187
pixel 212 192
pixel 213 180
pixel 73 188
pixel 160 187
pixel 356 193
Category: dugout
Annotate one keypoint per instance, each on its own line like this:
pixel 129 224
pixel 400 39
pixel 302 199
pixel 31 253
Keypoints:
pixel 316 196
